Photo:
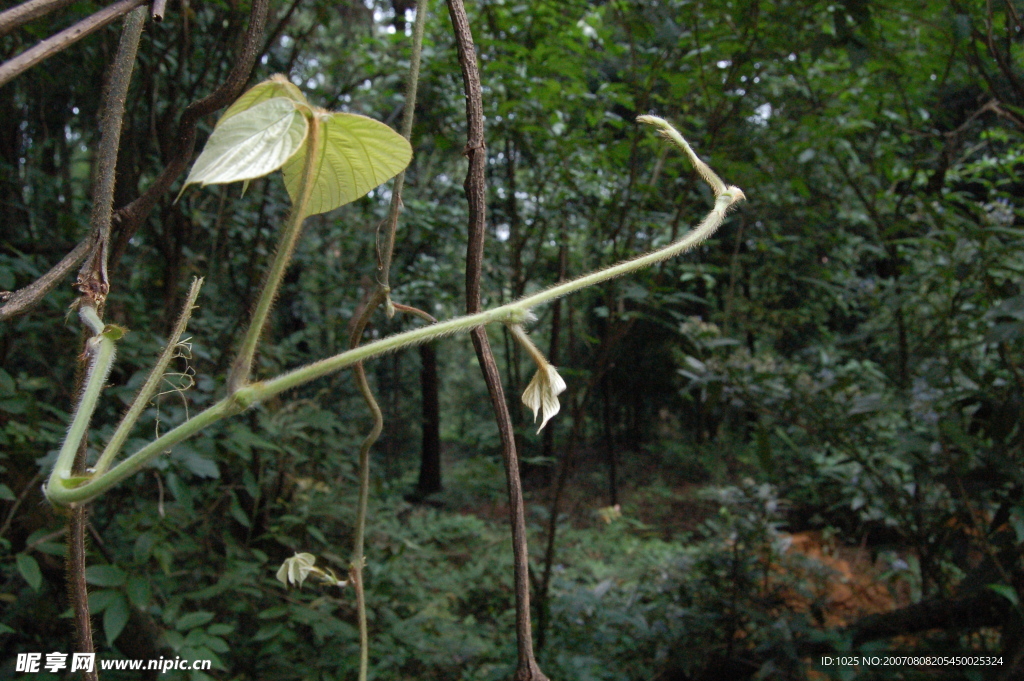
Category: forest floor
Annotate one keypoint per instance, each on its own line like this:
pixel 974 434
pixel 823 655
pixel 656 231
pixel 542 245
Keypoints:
pixel 850 580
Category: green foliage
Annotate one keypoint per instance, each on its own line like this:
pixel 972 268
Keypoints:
pixel 853 337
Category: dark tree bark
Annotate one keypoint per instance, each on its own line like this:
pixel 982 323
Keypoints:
pixel 430 455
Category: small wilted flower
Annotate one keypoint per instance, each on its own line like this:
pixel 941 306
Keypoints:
pixel 296 569
pixel 542 394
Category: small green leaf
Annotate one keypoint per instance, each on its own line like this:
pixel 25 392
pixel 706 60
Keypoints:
pixel 139 591
pixel 356 154
pixel 1006 591
pixel 101 600
pixel 251 144
pixel 237 512
pixel 104 575
pixel 6 383
pixel 5 493
pixel 277 86
pixel 29 569
pixel 193 620
pixel 114 618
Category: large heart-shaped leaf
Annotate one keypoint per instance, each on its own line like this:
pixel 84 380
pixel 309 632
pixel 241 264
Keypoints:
pixel 251 144
pixel 356 154
pixel 276 86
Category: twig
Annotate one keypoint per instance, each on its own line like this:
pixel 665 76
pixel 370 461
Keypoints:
pixel 12 68
pixel 17 502
pixel 93 281
pixel 131 216
pixel 26 12
pixel 24 299
pixel 476 194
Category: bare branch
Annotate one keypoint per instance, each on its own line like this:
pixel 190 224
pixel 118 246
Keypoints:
pixel 26 12
pixel 24 299
pixel 11 69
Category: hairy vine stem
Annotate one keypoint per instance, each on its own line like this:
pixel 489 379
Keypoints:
pixel 94 286
pixel 476 193
pixel 242 366
pixel 63 489
pixel 13 68
pixel 380 295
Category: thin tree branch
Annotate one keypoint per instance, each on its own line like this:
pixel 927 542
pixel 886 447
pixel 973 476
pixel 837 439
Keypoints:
pixel 24 299
pixel 26 12
pixel 476 193
pixel 31 485
pixel 12 68
pixel 129 218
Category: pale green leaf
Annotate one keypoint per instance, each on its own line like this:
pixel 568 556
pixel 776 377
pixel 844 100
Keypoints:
pixel 356 154
pixel 276 86
pixel 251 144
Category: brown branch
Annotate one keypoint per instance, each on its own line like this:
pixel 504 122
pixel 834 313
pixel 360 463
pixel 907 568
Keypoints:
pixel 77 586
pixel 476 193
pixel 47 48
pixel 26 12
pixel 24 299
pixel 129 218
pixel 93 281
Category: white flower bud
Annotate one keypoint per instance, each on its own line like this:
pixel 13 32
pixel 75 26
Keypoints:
pixel 542 394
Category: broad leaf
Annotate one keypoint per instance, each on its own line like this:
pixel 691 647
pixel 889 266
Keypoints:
pixel 105 575
pixel 277 86
pixel 251 144
pixel 356 154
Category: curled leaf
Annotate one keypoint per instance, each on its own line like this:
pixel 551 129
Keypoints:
pixel 276 86
pixel 356 154
pixel 541 395
pixel 251 144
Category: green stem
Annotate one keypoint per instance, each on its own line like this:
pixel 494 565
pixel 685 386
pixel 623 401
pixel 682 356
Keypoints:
pixel 242 366
pixel 59 491
pixel 150 387
pixel 358 552
pixel 412 83
pixel 101 356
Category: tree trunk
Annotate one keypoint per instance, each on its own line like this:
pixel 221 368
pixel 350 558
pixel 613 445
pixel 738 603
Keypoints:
pixel 430 455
